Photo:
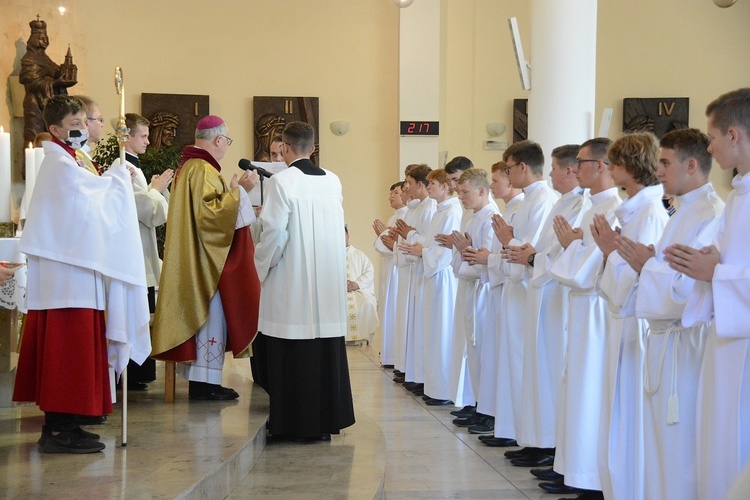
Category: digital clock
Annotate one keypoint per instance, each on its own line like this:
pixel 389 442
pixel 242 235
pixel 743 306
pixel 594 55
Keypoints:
pixel 420 128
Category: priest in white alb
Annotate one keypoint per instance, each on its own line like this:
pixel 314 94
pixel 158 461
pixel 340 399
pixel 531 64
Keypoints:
pixel 361 304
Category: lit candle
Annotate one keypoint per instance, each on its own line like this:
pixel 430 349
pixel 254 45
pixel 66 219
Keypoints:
pixel 4 175
pixel 30 164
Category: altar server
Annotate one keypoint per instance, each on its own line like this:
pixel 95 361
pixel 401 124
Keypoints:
pixel 721 272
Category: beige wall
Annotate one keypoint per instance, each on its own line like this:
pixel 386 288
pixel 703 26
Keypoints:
pixel 345 52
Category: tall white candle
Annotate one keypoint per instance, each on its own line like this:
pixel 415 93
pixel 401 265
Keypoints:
pixel 38 157
pixel 4 175
pixel 30 165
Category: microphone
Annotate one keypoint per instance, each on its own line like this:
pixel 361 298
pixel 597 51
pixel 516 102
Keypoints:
pixel 246 165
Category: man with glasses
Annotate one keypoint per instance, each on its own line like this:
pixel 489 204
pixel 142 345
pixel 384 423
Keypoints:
pixel 209 290
pixel 525 165
pixel 579 267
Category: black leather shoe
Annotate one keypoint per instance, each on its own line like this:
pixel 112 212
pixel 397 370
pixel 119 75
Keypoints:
pixel 558 487
pixel 522 453
pixel 202 391
pixel 535 460
pixel 494 442
pixel 464 412
pixel 399 379
pixel 486 425
pixel 137 386
pixel 546 474
pixel 398 373
pixel 438 402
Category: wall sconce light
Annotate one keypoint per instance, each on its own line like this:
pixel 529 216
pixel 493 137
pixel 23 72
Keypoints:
pixel 724 3
pixel 339 127
pixel 495 129
pixel 403 3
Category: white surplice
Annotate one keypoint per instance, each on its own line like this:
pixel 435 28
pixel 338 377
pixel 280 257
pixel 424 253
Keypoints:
pixel 361 304
pixel 438 302
pixel 470 301
pixel 414 363
pixel 579 268
pixel 303 278
pixel 642 219
pixel 403 290
pixel 723 417
pixel 387 293
pixel 152 207
pixel 528 221
pixel 83 249
pixel 546 329
pixel 488 377
pixel 673 352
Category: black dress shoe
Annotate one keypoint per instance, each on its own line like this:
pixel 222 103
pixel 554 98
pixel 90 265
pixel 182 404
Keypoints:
pixel 475 418
pixel 464 412
pixel 494 442
pixel 399 379
pixel 438 402
pixel 558 487
pixel 486 425
pixel 535 460
pixel 546 474
pixel 410 385
pixel 387 366
pixel 398 373
pixel 137 386
pixel 522 453
pixel 202 391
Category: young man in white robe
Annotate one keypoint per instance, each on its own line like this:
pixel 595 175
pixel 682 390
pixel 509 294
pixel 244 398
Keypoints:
pixel 633 160
pixel 525 167
pixel 439 292
pixel 403 266
pixel 86 292
pixel 388 283
pixel 579 267
pixel 492 355
pixel 721 272
pixel 414 233
pixel 301 261
pixel 673 352
pixel 546 325
pixel 460 379
pixel 472 295
pixel 151 202
pixel 361 303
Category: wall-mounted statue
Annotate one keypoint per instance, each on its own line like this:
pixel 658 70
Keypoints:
pixel 163 129
pixel 42 78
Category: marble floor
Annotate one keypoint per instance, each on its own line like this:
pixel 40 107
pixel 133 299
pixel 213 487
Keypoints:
pixel 399 448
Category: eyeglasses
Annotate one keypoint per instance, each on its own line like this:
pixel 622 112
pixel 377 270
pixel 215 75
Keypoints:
pixel 507 169
pixel 229 140
pixel 578 162
pixel 100 119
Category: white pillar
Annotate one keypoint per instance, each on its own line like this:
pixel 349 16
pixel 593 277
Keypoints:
pixel 563 72
pixel 419 79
